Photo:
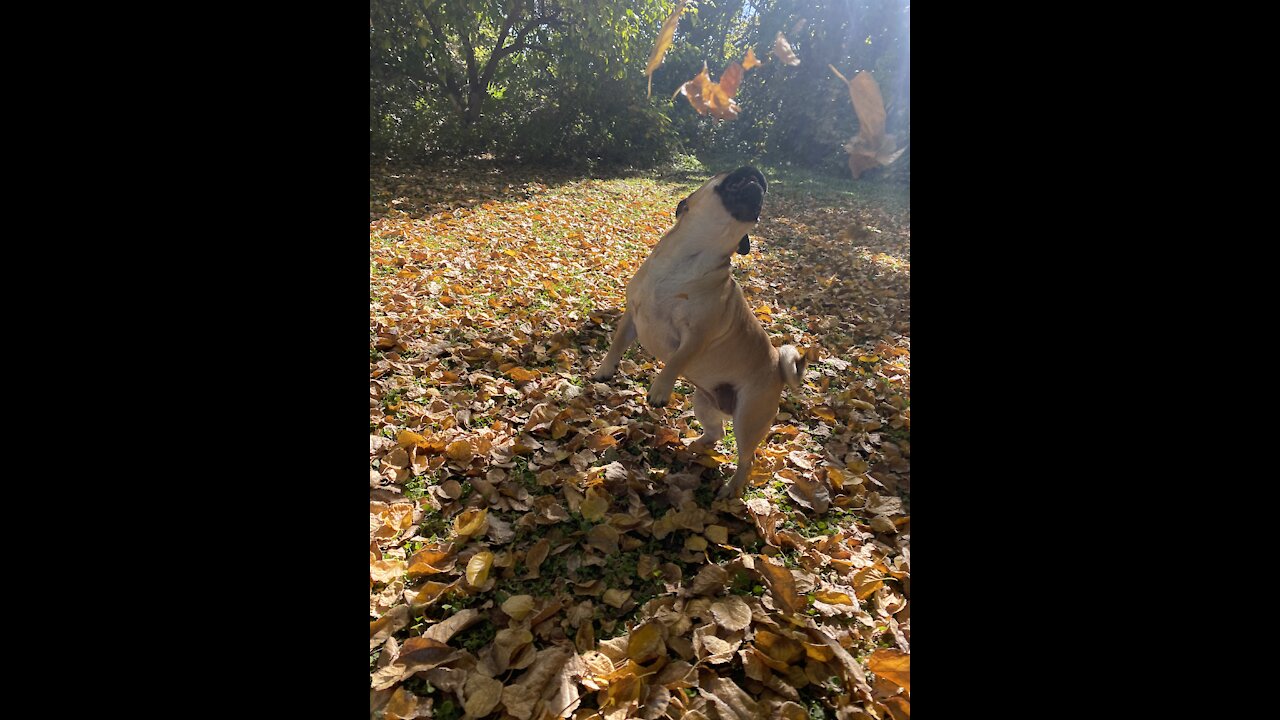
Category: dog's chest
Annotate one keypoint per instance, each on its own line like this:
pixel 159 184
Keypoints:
pixel 662 304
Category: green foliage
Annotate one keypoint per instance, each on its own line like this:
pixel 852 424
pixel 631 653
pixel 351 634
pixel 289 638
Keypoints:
pixel 563 82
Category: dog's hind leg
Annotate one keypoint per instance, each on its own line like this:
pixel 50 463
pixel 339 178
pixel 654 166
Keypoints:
pixel 623 338
pixel 712 419
pixel 752 420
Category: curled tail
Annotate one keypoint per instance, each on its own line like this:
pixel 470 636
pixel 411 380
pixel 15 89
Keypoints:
pixel 792 364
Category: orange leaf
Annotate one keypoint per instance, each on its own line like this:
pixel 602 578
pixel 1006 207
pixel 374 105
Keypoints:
pixel 892 665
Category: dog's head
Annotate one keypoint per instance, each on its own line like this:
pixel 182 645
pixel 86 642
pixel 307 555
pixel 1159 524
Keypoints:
pixel 722 210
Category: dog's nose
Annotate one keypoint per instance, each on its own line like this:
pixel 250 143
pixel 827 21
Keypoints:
pixel 742 193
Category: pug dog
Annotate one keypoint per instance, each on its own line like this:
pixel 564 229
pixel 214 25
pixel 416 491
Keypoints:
pixel 685 308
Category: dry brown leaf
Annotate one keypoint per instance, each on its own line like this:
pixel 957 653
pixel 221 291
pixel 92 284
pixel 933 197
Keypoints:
pixel 779 648
pixel 430 592
pixel 645 642
pixel 616 597
pixel 385 571
pixel 711 579
pixel 456 623
pixel 718 534
pixel 387 625
pixel 665 36
pixel 518 607
pixel 405 705
pixel 595 504
pixel 604 538
pixel 871 147
pixel 893 665
pixel 522 698
pixel 899 707
pixel 782 586
pixel 731 613
pixel 750 60
pixel 537 554
pixel 482 695
pixel 506 644
pixel 437 558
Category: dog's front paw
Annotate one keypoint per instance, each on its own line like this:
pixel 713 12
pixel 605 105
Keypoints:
pixel 658 398
pixel 602 375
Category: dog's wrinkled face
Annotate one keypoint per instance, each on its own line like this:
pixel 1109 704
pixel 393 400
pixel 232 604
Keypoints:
pixel 722 210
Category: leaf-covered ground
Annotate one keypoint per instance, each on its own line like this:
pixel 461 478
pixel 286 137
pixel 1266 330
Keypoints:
pixel 545 546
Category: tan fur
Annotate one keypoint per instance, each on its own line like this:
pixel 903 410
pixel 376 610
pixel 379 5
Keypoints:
pixel 685 307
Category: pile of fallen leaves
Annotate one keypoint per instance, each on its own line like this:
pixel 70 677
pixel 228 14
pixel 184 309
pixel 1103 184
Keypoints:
pixel 544 546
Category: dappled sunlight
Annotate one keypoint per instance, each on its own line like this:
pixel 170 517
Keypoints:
pixel 526 518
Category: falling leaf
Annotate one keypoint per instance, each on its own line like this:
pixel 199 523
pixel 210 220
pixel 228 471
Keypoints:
pixel 715 99
pixel 871 147
pixel 782 51
pixel 478 568
pixel 665 36
pixel 893 665
pixel 750 60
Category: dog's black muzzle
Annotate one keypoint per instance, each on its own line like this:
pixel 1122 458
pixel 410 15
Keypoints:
pixel 742 193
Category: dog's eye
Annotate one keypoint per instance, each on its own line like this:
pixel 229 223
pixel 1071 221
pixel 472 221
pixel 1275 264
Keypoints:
pixel 682 208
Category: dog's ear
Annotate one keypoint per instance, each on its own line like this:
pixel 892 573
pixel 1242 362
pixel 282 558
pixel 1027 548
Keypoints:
pixel 744 245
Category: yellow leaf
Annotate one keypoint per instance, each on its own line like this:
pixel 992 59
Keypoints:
pixel 408 438
pixel 834 598
pixel 665 35
pixel 478 568
pixel 460 451
pixel 868 358
pixel 646 642
pixel 518 606
pixel 471 522
pixel 824 412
